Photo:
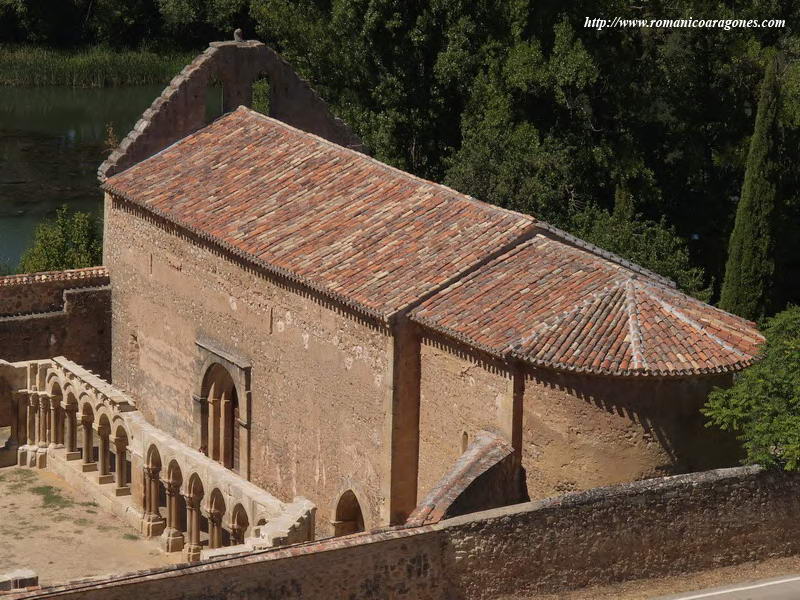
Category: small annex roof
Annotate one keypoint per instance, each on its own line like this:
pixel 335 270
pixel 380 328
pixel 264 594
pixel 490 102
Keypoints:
pixel 558 306
pixel 333 219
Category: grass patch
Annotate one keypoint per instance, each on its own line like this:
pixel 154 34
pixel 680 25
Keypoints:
pixel 130 536
pixel 51 496
pixel 94 67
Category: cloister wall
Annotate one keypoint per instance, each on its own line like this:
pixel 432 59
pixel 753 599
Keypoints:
pixel 65 313
pixel 651 528
pixel 571 431
pixel 320 375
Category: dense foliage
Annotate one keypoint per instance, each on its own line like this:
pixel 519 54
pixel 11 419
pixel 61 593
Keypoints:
pixel 763 406
pixel 95 67
pixel 71 241
pixel 748 285
pixel 519 104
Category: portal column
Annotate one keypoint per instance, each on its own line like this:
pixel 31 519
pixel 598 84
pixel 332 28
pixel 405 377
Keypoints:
pixel 225 453
pixel 214 426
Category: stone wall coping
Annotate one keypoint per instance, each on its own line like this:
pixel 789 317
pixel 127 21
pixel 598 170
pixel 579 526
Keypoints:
pixel 660 485
pixel 572 499
pixel 71 275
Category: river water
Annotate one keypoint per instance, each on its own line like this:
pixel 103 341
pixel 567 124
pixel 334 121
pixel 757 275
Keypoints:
pixel 51 142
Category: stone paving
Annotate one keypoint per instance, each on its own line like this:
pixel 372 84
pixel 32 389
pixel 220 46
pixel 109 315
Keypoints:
pixel 48 527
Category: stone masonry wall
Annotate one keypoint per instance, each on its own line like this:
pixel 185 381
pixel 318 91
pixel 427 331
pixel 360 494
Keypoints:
pixel 320 376
pixel 580 431
pixel 459 393
pixel 645 529
pixel 572 432
pixel 57 314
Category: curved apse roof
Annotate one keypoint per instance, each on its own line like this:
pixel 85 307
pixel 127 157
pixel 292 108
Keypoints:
pixel 558 306
pixel 383 241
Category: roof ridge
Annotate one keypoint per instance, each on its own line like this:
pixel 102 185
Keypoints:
pixel 680 315
pixel 634 328
pixel 616 259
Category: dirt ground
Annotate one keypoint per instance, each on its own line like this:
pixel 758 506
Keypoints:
pixel 46 526
pixel 647 589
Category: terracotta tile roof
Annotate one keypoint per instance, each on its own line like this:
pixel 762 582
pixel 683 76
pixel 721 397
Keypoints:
pixel 333 219
pixel 554 305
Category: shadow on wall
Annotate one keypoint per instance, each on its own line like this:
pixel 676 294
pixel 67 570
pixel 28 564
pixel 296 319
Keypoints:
pixel 666 409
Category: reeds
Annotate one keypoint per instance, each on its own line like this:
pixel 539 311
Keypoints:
pixel 95 67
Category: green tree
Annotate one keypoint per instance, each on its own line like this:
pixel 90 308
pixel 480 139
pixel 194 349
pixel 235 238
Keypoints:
pixel 651 244
pixel 750 269
pixel 763 405
pixel 70 241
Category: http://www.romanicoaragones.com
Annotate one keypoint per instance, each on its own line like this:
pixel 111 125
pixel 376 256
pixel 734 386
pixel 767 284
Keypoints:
pixel 726 24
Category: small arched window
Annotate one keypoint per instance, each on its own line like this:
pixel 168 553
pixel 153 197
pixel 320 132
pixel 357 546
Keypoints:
pixel 348 517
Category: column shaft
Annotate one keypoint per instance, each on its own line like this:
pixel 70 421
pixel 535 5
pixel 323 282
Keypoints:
pixel 88 443
pixel 119 465
pixel 31 433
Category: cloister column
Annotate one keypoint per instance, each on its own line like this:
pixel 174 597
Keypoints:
pixel 44 430
pixel 214 529
pixel 72 430
pixel 54 437
pixel 121 488
pixel 26 453
pixel 103 466
pixel 44 410
pixel 193 548
pixel 31 433
pixel 88 445
pixel 172 538
pixel 152 521
pixel 237 534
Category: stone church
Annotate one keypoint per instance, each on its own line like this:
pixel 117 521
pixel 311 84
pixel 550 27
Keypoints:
pixel 291 340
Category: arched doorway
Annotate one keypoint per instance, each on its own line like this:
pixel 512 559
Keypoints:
pixel 221 421
pixel 348 517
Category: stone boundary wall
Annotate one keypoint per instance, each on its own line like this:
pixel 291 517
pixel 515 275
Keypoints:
pixel 78 327
pixel 44 292
pixel 651 528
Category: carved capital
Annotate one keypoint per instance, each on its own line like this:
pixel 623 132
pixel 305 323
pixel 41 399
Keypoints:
pixel 152 472
pixel 171 487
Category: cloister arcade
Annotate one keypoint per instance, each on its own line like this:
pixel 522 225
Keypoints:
pixel 166 489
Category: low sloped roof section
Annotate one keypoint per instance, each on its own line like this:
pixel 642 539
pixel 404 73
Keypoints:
pixel 554 305
pixel 372 236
